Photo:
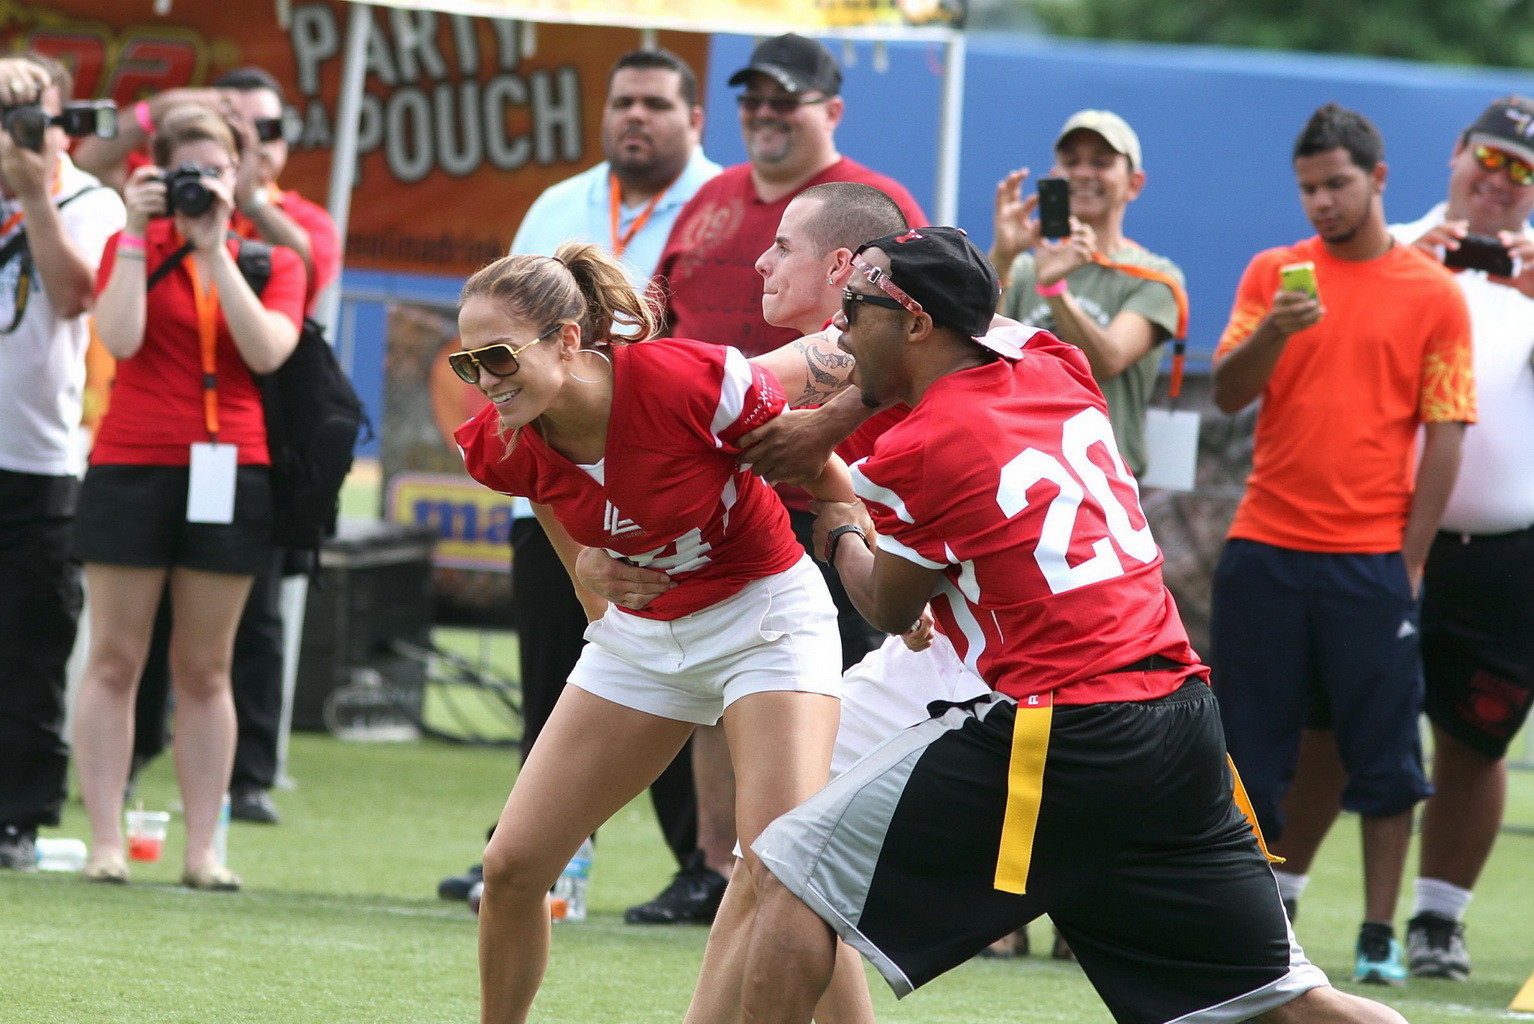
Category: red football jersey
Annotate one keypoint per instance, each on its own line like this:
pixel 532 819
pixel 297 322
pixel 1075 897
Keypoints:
pixel 668 494
pixel 1007 478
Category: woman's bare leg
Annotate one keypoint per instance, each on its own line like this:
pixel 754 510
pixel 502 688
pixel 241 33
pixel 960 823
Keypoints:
pixel 592 757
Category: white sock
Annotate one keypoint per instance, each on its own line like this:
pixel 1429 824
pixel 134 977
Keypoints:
pixel 1435 896
pixel 1290 886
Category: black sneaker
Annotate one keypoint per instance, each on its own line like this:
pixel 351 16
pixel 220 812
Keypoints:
pixel 456 887
pixel 1435 947
pixel 18 848
pixel 692 897
pixel 252 803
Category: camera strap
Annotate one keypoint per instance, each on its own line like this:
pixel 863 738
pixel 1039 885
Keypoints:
pixel 16 247
pixel 1179 295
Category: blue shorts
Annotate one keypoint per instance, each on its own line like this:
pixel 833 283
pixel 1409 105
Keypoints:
pixel 1291 628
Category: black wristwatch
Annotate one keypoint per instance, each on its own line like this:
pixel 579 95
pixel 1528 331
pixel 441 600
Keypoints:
pixel 835 536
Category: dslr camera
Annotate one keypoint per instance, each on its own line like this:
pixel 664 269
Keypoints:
pixel 26 122
pixel 184 190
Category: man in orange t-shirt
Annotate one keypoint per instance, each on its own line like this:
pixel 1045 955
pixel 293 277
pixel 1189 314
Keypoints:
pixel 1315 597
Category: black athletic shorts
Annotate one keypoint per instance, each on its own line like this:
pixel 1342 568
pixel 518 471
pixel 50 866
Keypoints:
pixel 136 515
pixel 1478 636
pixel 1137 851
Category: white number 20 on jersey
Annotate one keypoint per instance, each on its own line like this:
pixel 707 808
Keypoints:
pixel 1082 481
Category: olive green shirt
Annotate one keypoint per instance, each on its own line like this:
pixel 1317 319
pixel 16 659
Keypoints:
pixel 1103 293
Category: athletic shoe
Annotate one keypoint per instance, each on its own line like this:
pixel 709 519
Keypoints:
pixel 18 848
pixel 252 803
pixel 456 887
pixel 1435 947
pixel 692 897
pixel 1379 956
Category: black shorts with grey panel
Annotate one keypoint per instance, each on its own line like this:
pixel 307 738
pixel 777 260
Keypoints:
pixel 1140 856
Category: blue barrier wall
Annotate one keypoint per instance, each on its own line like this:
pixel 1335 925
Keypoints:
pixel 1217 126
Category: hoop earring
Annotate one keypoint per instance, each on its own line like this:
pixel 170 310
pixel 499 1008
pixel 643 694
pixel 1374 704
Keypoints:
pixel 600 355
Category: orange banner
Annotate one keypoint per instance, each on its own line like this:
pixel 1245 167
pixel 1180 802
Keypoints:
pixel 460 129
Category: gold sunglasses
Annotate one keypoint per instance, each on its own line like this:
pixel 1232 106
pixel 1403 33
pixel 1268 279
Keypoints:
pixel 498 360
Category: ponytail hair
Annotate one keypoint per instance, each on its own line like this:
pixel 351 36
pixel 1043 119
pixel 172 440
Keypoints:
pixel 579 284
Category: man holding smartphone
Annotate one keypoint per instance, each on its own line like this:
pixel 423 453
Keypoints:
pixel 1314 609
pixel 1089 284
pixel 1478 593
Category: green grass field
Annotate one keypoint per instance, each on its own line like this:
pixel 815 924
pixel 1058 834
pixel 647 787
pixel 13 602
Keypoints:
pixel 339 921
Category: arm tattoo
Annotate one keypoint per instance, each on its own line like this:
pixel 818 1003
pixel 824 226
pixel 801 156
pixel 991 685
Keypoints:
pixel 826 369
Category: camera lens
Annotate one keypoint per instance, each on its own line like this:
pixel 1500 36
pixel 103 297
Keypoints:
pixel 25 124
pixel 185 192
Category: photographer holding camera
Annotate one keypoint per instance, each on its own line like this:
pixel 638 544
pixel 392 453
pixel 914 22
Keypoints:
pixel 54 221
pixel 177 490
pixel 252 101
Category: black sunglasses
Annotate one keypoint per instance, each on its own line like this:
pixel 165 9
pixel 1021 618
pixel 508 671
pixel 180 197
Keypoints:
pixel 498 360
pixel 289 126
pixel 850 300
pixel 750 102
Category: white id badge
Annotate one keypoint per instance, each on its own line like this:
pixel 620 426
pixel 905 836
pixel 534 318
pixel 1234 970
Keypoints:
pixel 1171 441
pixel 210 492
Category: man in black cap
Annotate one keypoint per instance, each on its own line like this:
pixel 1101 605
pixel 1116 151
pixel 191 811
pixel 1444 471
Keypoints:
pixel 1092 783
pixel 789 111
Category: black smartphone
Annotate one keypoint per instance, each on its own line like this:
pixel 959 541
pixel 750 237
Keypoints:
pixel 1482 252
pixel 1054 207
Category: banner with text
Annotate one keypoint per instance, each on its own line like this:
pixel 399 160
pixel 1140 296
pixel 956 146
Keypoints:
pixel 460 129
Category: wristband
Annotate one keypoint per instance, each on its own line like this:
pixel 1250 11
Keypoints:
pixel 1050 291
pixel 127 241
pixel 835 537
pixel 141 115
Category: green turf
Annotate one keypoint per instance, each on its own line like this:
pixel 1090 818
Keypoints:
pixel 339 921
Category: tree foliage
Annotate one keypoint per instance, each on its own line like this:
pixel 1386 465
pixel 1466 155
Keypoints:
pixel 1488 32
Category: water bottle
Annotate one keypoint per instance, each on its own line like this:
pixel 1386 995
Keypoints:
pixel 221 835
pixel 570 890
pixel 60 855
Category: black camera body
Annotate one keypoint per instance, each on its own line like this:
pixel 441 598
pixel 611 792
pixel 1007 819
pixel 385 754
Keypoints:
pixel 185 191
pixel 1482 252
pixel 26 122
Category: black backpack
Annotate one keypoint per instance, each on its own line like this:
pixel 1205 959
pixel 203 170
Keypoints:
pixel 313 419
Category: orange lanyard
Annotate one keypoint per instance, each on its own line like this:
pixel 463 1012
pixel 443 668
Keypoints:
pixel 53 190
pixel 615 207
pixel 207 336
pixel 1179 344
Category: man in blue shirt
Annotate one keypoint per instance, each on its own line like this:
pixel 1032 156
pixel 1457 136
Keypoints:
pixel 651 128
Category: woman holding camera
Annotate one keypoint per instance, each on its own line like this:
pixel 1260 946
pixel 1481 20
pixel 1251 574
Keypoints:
pixel 177 488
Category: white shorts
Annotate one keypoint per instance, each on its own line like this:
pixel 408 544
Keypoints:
pixel 889 690
pixel 777 633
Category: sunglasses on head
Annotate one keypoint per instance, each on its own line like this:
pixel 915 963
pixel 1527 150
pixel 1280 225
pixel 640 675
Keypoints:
pixel 1519 172
pixel 750 102
pixel 498 360
pixel 851 299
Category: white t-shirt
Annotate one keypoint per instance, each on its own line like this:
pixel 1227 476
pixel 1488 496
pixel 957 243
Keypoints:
pixel 1494 492
pixel 42 362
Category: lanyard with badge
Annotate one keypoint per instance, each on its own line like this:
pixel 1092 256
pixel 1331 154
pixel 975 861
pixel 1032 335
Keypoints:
pixel 620 242
pixel 210 487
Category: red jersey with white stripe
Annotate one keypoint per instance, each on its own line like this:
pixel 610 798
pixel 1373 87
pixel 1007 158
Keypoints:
pixel 1006 477
pixel 668 494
